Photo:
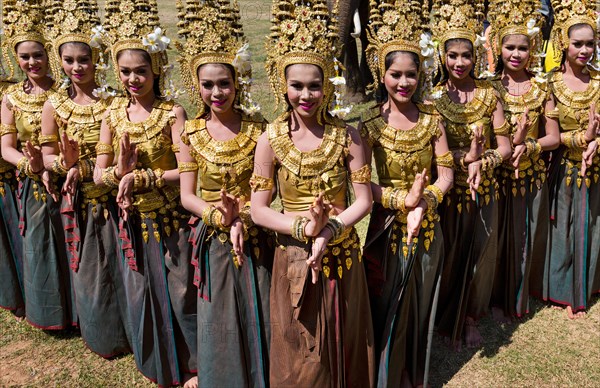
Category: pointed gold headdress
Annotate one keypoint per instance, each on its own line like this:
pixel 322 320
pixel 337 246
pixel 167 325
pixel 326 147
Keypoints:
pixel 568 13
pixel 398 25
pixel 76 21
pixel 212 33
pixel 134 25
pixel 23 21
pixel 459 19
pixel 515 17
pixel 306 32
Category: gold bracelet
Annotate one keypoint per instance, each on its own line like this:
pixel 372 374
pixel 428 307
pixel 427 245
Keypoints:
pixel 23 165
pixel 430 200
pixel 187 166
pixel 246 217
pixel 437 192
pixel 401 205
pixel 206 215
pixel 216 219
pixel 297 230
pixel 137 180
pixel 386 197
pixel 57 166
pixel 109 178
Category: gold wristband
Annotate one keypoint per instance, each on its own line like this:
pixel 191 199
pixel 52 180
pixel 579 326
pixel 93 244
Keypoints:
pixel 57 166
pixel 109 178
pixel 159 181
pixel 437 192
pixel 297 230
pixel 386 197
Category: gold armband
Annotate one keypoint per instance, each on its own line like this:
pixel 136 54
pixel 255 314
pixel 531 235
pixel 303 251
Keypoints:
pixel 109 178
pixel 187 166
pixel 445 160
pixel 104 149
pixel 5 129
pixel 44 139
pixel 503 130
pixel 552 114
pixel 261 183
pixel 362 175
pixel 175 147
pixel 57 166
pixel 297 230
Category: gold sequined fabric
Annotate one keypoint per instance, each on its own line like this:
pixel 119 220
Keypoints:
pixel 302 175
pixel 226 164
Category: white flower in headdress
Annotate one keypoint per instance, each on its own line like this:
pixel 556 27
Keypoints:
pixel 427 45
pixel 532 30
pixel 156 42
pixel 434 95
pixel 480 41
pixel 104 92
pixel 96 39
pixel 250 108
pixel 102 66
pixel 66 82
pixel 242 61
pixel 341 111
pixel 338 80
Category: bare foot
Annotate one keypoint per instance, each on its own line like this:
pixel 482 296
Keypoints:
pixel 473 338
pixel 190 381
pixel 19 314
pixel 498 315
pixel 570 313
pixel 580 314
pixel 557 307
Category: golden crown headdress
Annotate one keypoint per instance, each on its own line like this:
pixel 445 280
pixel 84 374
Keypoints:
pixel 306 32
pixel 134 25
pixel 398 25
pixel 77 21
pixel 515 17
pixel 458 19
pixel 23 21
pixel 568 13
pixel 213 33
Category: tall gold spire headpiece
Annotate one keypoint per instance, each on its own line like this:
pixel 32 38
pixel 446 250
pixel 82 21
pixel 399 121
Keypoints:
pixel 398 25
pixel 306 32
pixel 515 17
pixel 459 19
pixel 76 21
pixel 134 25
pixel 212 33
pixel 566 15
pixel 23 21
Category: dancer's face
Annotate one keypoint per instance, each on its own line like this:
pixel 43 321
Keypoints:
pixel 304 88
pixel 77 63
pixel 401 77
pixel 459 59
pixel 32 59
pixel 581 45
pixel 135 72
pixel 217 87
pixel 515 52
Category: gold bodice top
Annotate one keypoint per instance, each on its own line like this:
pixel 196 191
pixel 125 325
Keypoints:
pixel 303 175
pixel 401 154
pixel 514 106
pixel 457 118
pixel 223 164
pixel 27 109
pixel 573 107
pixel 152 138
pixel 81 122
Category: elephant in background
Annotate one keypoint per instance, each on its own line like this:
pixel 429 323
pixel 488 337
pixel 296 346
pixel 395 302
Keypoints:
pixel 352 22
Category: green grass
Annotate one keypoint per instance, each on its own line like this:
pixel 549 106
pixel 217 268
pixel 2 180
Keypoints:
pixel 545 350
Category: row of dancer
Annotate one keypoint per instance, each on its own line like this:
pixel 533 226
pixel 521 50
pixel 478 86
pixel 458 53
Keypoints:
pixel 134 223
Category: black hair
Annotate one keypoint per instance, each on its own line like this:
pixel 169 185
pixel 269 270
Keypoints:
pixel 381 94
